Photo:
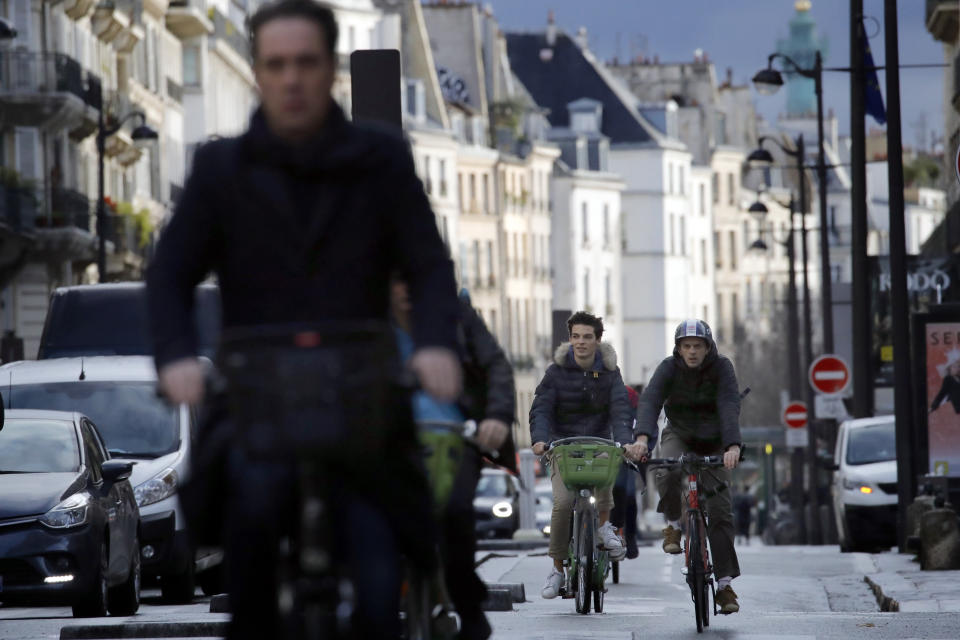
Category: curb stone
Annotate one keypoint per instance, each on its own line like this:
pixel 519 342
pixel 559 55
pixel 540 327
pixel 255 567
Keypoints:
pixel 206 629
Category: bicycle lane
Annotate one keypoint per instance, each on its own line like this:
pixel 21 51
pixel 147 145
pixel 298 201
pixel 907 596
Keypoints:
pixel 785 592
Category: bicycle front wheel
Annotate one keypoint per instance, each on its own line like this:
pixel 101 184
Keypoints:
pixel 695 570
pixel 584 564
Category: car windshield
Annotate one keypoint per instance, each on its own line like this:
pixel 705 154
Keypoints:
pixel 131 419
pixel 38 446
pixel 876 443
pixel 492 486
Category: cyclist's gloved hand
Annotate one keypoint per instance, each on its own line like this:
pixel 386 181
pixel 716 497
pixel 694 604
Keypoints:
pixel 492 434
pixel 438 371
pixel 731 457
pixel 539 448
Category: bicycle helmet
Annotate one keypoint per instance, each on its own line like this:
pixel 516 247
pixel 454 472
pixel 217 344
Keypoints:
pixel 693 328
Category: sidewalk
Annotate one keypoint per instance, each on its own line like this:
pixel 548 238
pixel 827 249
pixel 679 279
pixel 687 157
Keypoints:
pixel 900 585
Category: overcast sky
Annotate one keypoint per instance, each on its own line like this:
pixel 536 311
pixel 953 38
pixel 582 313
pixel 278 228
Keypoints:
pixel 740 34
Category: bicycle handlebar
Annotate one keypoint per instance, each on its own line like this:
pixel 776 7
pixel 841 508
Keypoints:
pixel 687 459
pixel 467 430
pixel 583 440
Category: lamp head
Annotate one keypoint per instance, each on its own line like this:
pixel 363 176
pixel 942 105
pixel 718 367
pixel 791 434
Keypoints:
pixel 143 136
pixel 760 158
pixel 758 209
pixel 758 245
pixel 7 30
pixel 768 81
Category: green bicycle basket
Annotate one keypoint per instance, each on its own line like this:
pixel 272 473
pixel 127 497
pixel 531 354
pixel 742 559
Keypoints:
pixel 442 455
pixel 587 465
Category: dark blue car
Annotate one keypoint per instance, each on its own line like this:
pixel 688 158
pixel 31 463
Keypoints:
pixel 68 517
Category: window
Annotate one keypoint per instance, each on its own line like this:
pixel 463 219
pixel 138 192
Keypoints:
pixel 703 257
pixel 583 217
pixel 476 263
pixel 351 38
pixel 716 187
pixel 733 250
pixel 731 189
pixel 673 240
pixel 525 245
pixel 703 200
pixel 586 289
pixel 746 235
pixel 473 192
pixel 484 194
pixel 493 322
pixel 191 66
pixel 606 225
pixel 717 256
pixel 682 178
pixel 443 178
pixel 463 205
pixel 670 178
pixel 427 183
pixel 607 292
pixel 683 235
pixel 490 270
pixel 749 297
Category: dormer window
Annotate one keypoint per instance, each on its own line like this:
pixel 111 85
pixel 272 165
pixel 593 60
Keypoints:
pixel 585 115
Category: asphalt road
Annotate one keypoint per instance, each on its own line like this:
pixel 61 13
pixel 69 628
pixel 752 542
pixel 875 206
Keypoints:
pixel 787 593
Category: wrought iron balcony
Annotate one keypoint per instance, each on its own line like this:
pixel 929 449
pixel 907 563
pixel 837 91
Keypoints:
pixel 18 207
pixel 68 208
pixel 41 90
pixel 943 19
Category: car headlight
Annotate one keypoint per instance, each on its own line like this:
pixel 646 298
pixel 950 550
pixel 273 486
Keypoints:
pixel 857 485
pixel 503 509
pixel 163 485
pixel 71 512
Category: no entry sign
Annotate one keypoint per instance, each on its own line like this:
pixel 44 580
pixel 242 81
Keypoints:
pixel 829 374
pixel 795 415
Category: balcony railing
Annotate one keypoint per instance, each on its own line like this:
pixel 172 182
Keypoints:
pixel 18 207
pixel 32 72
pixel 68 209
pixel 233 35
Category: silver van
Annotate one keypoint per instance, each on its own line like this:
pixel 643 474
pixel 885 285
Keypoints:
pixel 119 394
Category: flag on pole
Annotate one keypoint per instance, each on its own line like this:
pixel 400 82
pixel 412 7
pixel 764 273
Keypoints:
pixel 873 99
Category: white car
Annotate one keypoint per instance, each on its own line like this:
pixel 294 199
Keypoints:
pixel 118 393
pixel 544 499
pixel 865 483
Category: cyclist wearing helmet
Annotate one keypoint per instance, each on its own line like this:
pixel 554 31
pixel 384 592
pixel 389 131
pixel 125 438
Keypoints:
pixel 697 387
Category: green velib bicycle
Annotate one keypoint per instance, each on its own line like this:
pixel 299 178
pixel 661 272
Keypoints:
pixel 586 465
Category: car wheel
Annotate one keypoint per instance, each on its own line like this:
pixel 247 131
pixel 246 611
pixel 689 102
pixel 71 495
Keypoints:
pixel 124 599
pixel 179 588
pixel 94 604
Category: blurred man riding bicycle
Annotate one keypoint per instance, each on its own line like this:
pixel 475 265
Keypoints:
pixel 697 387
pixel 581 394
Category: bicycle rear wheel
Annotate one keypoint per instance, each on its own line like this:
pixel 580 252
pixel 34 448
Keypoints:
pixel 599 578
pixel 584 563
pixel 616 572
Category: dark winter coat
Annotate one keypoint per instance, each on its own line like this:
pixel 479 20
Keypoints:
pixel 300 235
pixel 702 404
pixel 570 401
pixel 488 388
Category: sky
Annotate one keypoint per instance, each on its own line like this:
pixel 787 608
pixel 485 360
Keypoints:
pixel 740 34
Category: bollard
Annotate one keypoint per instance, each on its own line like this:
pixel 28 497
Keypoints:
pixel 220 603
pixel 516 590
pixel 939 540
pixel 528 505
pixel 498 600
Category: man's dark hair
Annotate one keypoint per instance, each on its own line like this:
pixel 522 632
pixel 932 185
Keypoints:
pixel 310 10
pixel 582 317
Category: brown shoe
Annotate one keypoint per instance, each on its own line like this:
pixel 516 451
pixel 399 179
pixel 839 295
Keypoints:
pixel 726 599
pixel 671 540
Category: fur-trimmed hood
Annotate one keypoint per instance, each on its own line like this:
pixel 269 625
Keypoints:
pixel 563 356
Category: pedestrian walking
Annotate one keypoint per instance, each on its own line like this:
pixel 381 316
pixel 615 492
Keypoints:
pixel 743 514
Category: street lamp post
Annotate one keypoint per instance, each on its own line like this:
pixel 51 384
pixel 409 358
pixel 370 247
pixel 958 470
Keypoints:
pixel 140 135
pixel 768 81
pixel 793 347
pixel 761 157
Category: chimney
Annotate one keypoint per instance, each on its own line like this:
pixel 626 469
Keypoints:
pixel 582 40
pixel 551 29
pixel 729 76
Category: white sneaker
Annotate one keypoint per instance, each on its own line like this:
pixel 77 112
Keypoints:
pixel 551 588
pixel 612 542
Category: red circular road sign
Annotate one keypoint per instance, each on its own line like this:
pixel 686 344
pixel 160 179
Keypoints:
pixel 829 374
pixel 795 415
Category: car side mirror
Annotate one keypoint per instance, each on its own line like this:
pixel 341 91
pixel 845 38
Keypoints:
pixel 116 470
pixel 830 466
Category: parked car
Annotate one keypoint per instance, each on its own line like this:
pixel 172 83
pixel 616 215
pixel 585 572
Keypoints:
pixel 111 319
pixel 497 504
pixel 865 484
pixel 543 492
pixel 119 394
pixel 68 517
